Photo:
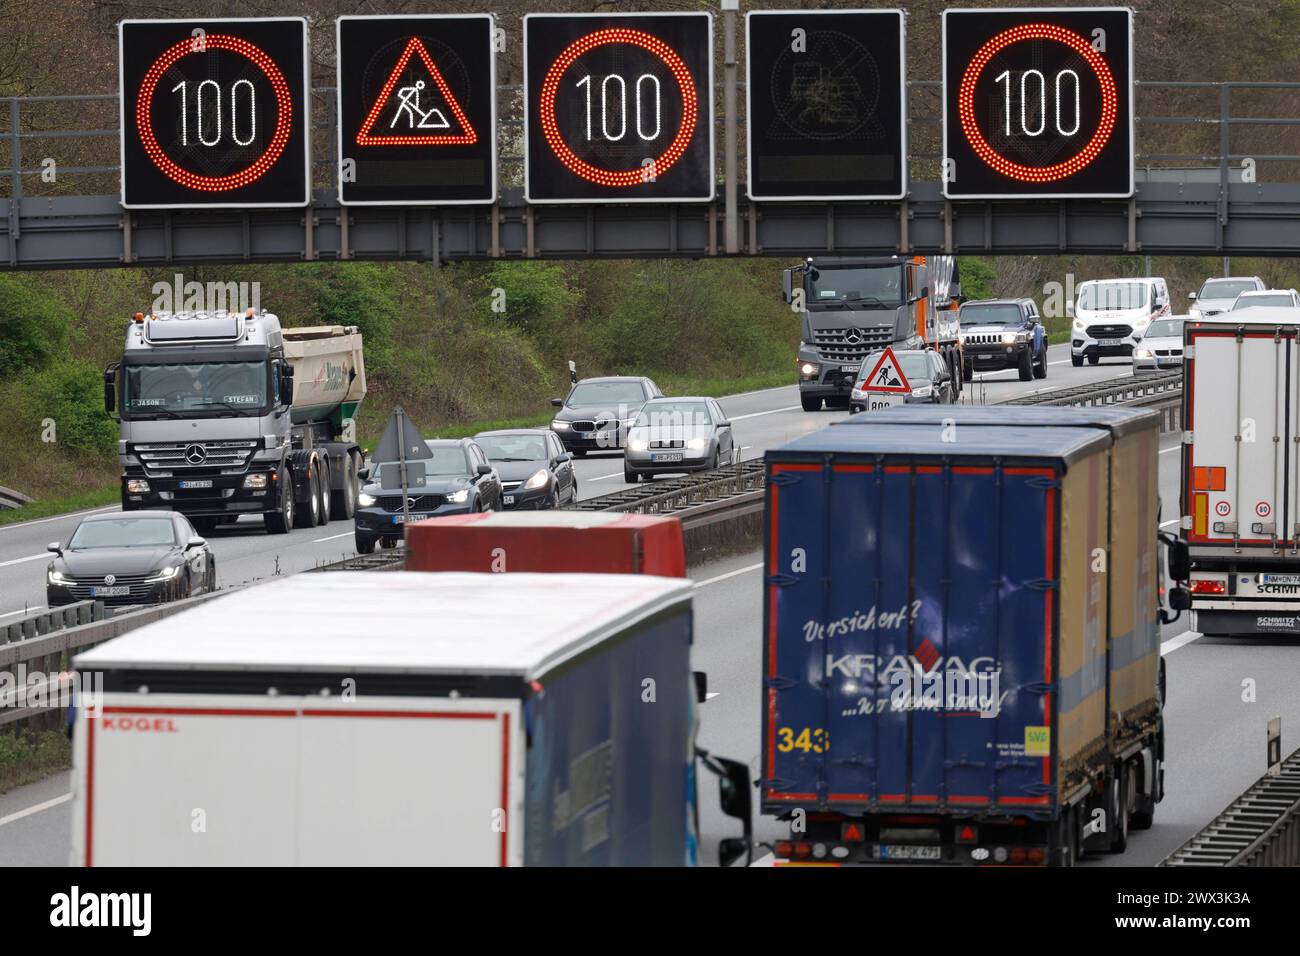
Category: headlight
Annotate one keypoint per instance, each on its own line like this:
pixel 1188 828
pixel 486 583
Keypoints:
pixel 539 479
pixel 57 577
pixel 1010 338
pixel 1144 353
pixel 808 369
pixel 697 444
pixel 637 444
pixel 255 481
pixel 858 393
pixel 365 500
pixel 925 391
pixel 459 497
pixel 164 575
pixel 560 426
pixel 137 486
pixel 1078 325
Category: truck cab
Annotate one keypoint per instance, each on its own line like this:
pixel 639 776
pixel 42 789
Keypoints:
pixel 851 307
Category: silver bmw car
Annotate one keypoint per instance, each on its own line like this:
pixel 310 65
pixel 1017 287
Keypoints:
pixel 677 435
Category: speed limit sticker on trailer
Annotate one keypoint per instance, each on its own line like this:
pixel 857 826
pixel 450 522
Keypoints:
pixel 1222 509
pixel 1263 509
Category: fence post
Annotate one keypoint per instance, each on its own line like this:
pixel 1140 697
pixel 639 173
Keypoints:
pixel 15 180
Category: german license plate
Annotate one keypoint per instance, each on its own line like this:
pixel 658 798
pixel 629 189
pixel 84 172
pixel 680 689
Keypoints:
pixel 889 851
pixel 849 368
pixel 116 591
pixel 1280 579
pixel 667 457
pixel 1110 342
pixel 196 483
pixel 985 357
pixel 510 499
pixel 399 519
pixel 606 436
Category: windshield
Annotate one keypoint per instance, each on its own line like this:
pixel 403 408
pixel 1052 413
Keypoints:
pixel 513 447
pixel 915 365
pixel 446 460
pixel 872 284
pixel 124 533
pixel 990 315
pixel 221 387
pixel 1226 288
pixel 674 414
pixel 1165 328
pixel 1252 301
pixel 608 394
pixel 1114 295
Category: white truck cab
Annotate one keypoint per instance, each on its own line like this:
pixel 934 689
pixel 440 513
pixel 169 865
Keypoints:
pixel 1110 315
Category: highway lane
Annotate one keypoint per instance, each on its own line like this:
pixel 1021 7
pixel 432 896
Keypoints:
pixel 245 553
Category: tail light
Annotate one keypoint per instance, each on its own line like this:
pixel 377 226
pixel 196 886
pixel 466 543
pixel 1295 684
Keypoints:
pixel 1209 587
pixel 784 848
pixel 1037 855
pixel 1017 854
pixel 803 850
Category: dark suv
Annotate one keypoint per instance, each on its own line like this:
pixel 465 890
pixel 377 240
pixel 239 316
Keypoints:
pixel 1003 333
pixel 597 412
pixel 457 479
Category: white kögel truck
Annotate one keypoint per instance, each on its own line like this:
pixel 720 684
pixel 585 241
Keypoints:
pixel 408 718
pixel 1241 454
pixel 224 414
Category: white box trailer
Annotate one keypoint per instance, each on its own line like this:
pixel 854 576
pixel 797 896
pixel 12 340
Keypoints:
pixel 1241 455
pixel 405 718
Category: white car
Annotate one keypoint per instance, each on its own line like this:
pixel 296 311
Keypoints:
pixel 1217 295
pixel 1161 347
pixel 1281 298
pixel 1110 315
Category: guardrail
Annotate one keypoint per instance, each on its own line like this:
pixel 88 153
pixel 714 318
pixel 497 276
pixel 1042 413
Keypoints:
pixel 39 623
pixel 1259 828
pixel 12 499
pixel 1162 391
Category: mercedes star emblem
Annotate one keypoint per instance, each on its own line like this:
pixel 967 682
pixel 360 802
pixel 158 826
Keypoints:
pixel 853 336
pixel 195 454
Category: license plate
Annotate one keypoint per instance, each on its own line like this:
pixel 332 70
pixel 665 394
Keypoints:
pixel 1109 342
pixel 399 519
pixel 984 357
pixel 904 852
pixel 1281 579
pixel 510 499
pixel 849 368
pixel 197 483
pixel 673 456
pixel 115 591
pixel 605 436
pixel 884 400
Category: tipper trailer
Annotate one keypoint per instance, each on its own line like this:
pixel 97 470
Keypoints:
pixel 226 414
pixel 402 718
pixel 948 677
pixel 1241 455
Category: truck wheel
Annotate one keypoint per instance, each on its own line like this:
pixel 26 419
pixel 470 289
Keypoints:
pixel 279 522
pixel 308 516
pixel 344 501
pixel 325 495
pixel 365 543
pixel 1026 366
pixel 810 403
pixel 1119 807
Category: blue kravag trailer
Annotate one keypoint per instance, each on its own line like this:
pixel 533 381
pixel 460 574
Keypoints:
pixel 938 647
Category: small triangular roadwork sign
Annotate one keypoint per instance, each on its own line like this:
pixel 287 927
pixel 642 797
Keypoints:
pixel 887 376
pixel 417 113
pixel 400 435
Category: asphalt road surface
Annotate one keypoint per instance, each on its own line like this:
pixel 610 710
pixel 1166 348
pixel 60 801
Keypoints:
pixel 1215 738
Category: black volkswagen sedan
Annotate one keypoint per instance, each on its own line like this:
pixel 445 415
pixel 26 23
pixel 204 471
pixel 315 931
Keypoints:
pixel 536 472
pixel 456 478
pixel 140 557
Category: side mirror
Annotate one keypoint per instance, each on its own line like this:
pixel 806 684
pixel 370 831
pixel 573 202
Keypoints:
pixel 561 459
pixel 944 377
pixel 110 389
pixel 734 792
pixel 54 548
pixel 1191 296
pixel 1180 565
pixel 1180 599
pixel 557 402
pixel 194 542
pixel 286 385
pixel 363 472
pixel 701 686
pixel 724 424
pixel 732 849
pixel 483 470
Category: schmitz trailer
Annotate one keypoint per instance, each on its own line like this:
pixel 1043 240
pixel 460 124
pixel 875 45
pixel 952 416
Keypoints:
pixel 1241 455
pixel 225 415
pixel 407 718
pixel 960 665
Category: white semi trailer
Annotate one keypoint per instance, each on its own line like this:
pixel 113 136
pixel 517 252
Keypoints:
pixel 227 414
pixel 1241 454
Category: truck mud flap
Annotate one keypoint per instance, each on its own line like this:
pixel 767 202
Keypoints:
pixel 1262 623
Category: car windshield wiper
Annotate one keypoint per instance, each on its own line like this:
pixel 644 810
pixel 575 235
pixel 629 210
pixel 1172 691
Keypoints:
pixel 516 459
pixel 864 298
pixel 156 413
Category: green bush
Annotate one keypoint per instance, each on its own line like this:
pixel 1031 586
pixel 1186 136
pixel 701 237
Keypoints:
pixel 33 324
pixel 363 294
pixel 69 397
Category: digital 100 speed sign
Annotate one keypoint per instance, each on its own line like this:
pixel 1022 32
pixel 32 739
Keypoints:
pixel 1038 103
pixel 620 107
pixel 214 113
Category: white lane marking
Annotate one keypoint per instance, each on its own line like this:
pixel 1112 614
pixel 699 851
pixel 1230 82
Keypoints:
pixel 48 804
pixel 26 610
pixel 34 557
pixel 770 411
pixel 729 574
pixel 1166 524
pixel 1165 451
pixel 333 537
pixel 70 514
pixel 617 474
pixel 1176 642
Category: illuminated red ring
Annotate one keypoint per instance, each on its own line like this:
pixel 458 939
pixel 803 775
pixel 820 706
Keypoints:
pixel 283 123
pixel 550 126
pixel 1045 174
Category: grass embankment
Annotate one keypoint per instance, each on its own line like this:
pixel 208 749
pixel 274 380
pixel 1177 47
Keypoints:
pixel 27 756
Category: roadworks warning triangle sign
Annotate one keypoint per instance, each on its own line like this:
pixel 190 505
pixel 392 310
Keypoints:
pixel 887 376
pixel 419 113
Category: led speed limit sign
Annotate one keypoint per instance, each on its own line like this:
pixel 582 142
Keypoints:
pixel 620 107
pixel 1038 103
pixel 214 113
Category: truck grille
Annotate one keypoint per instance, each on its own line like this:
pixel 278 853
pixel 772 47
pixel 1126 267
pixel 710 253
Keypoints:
pixel 853 344
pixel 1109 331
pixel 196 458
pixel 80 590
pixel 982 338
pixel 418 502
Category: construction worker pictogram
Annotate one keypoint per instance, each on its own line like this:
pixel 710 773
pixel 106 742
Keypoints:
pixel 417 108
pixel 887 376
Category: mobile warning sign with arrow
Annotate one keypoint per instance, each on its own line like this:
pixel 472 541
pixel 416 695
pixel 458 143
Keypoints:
pixel 417 110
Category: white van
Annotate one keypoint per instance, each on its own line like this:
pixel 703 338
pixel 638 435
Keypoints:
pixel 1110 315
